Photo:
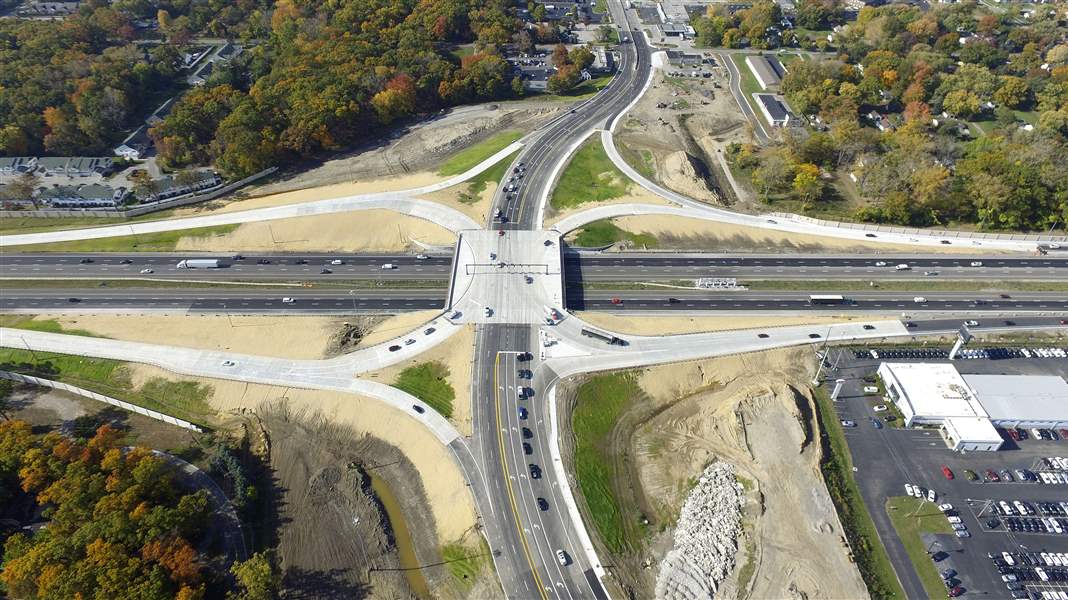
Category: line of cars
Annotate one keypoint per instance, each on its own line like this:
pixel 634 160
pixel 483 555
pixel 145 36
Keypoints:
pixel 1030 517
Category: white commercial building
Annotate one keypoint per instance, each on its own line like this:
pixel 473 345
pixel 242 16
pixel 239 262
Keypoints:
pixel 968 408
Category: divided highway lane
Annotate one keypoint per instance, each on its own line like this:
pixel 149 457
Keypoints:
pixel 621 267
pixel 895 302
pixel 243 301
pixel 250 267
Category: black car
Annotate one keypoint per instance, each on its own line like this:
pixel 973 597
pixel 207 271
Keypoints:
pixel 524 356
pixel 814 335
pixel 238 257
pixel 535 471
pixel 74 299
pixel 527 448
pixel 418 409
pixel 543 504
pixel 263 261
pixel 762 335
pixel 125 261
pixel 527 433
pixel 869 235
pixel 301 261
pixel 324 271
pixel 85 261
pixel 394 348
pixel 869 327
pixel 673 300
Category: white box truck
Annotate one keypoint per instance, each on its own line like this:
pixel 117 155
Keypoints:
pixel 199 263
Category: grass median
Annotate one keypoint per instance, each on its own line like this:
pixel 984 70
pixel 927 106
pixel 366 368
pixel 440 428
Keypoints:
pixel 911 517
pixel 598 406
pixel 589 176
pixel 477 184
pixel 427 381
pixel 474 154
pixel 837 468
pixel 604 233
pixel 909 285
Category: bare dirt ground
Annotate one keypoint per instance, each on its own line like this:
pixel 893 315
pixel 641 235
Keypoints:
pixel 396 325
pixel 451 506
pixel 698 234
pixel 744 410
pixel 676 325
pixel 677 128
pixel 418 148
pixel 457 354
pixel 334 539
pixel 458 197
pixel 362 230
pixel 54 409
pixel 297 337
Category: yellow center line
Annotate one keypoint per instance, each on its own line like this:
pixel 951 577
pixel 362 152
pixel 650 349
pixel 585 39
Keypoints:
pixel 508 480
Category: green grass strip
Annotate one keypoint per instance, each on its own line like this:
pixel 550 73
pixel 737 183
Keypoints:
pixel 474 154
pixel 164 241
pixel 600 402
pixel 464 563
pixel 427 381
pixel 837 467
pixel 603 233
pixel 911 517
pixel 183 399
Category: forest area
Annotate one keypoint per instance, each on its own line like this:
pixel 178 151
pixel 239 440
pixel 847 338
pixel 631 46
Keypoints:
pixel 315 76
pixel 953 115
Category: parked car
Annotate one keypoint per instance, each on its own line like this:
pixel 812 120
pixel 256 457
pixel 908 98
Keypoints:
pixel 991 476
pixel 947 472
pixel 880 408
pixel 848 423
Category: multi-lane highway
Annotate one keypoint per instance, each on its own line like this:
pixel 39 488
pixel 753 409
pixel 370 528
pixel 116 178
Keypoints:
pixel 290 300
pixel 578 266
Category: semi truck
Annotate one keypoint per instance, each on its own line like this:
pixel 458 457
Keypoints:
pixel 604 337
pixel 199 263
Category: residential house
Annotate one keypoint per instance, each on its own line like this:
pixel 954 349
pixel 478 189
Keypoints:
pixel 94 195
pixel 776 111
pixel 160 113
pixel 880 121
pixel 135 146
pixel 47 9
pixel 168 187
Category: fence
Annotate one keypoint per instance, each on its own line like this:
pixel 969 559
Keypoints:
pixel 57 385
pixel 141 209
pixel 970 235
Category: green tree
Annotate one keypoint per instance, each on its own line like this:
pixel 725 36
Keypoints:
pixel 581 57
pixel 962 103
pixel 257 577
pixel 807 184
pixel 564 80
pixel 605 33
pixel 1012 93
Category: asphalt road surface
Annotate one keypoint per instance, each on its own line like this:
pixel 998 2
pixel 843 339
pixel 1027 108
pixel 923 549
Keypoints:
pixel 578 267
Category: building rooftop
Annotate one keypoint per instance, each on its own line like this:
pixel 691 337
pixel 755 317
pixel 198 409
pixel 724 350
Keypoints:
pixel 1021 397
pixel 774 106
pixel 972 429
pixel 935 390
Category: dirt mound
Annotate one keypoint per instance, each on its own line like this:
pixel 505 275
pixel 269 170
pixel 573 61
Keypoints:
pixel 681 173
pixel 351 332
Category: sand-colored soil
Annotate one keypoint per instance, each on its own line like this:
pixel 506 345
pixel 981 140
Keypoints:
pixel 678 173
pixel 744 410
pixel 397 325
pixel 363 230
pixel 477 210
pixel 325 192
pixel 456 353
pixel 447 494
pixel 283 337
pixel 687 233
pixel 643 325
pixel 635 195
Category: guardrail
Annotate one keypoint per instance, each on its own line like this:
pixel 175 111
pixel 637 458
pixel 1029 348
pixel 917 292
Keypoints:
pixel 58 385
pixel 969 235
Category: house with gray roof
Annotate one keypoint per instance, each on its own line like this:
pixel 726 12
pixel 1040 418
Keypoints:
pixel 767 70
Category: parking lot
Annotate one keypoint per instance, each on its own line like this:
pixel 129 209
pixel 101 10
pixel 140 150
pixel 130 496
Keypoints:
pixel 1012 500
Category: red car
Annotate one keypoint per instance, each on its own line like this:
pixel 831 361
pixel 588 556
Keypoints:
pixel 956 591
pixel 1015 435
pixel 616 301
pixel 1064 433
pixel 992 476
pixel 947 472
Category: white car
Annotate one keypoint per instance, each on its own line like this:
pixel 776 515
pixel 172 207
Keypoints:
pixel 971 323
pixel 288 300
pixel 228 363
pixel 931 496
pixel 421 257
pixel 953 519
pixel 881 263
pixel 336 261
pixel 146 271
pixel 871 389
pixel 977 263
pixel 945 507
pixel 879 408
pixel 917 491
pixel 909 489
pixel 562 557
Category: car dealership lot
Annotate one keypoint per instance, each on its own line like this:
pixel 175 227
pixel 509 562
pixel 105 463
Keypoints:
pixel 888 458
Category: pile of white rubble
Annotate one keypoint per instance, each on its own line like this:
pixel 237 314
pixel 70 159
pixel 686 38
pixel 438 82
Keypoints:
pixel 706 537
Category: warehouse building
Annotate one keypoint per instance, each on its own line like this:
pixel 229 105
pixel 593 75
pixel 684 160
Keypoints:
pixel 967 409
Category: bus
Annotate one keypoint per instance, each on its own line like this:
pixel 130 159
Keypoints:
pixel 828 299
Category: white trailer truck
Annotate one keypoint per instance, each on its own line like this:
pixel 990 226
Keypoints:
pixel 199 263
